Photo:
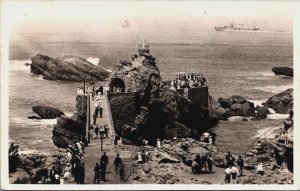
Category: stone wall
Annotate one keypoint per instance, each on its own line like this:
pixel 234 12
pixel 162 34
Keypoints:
pixel 124 108
pixel 197 95
pixel 81 105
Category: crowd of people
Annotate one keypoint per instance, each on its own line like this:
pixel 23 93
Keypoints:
pixel 186 80
pixel 234 167
pixel 90 90
pixel 200 162
pixel 74 168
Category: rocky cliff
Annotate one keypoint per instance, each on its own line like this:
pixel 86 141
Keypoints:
pixel 68 68
pixel 163 112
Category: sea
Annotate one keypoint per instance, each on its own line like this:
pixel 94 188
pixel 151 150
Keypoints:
pixel 234 63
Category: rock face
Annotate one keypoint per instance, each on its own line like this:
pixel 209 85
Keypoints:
pixel 233 106
pixel 47 112
pixel 281 102
pixel 67 68
pixel 135 73
pixel 163 113
pixel 286 71
pixel 69 129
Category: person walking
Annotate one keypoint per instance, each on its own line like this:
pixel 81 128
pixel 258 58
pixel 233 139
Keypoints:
pixel 103 163
pixel 117 162
pixel 97 173
pixel 101 89
pixel 240 163
pixel 227 175
pixel 234 172
pixel 122 171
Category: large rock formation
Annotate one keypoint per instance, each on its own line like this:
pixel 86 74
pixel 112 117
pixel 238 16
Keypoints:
pixel 286 71
pixel 163 113
pixel 68 68
pixel 47 112
pixel 281 103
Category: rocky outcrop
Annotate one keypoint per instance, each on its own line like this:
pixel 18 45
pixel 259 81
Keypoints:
pixel 67 68
pixel 233 106
pixel 282 102
pixel 163 113
pixel 46 112
pixel 286 71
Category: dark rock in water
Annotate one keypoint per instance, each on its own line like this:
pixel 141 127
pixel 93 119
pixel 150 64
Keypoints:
pixel 262 112
pixel 68 68
pixel 286 71
pixel 47 112
pixel 233 106
pixel 33 117
pixel 27 64
pixel 281 102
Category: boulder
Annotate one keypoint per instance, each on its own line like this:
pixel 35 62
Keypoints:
pixel 67 68
pixel 286 71
pixel 47 112
pixel 281 102
pixel 262 112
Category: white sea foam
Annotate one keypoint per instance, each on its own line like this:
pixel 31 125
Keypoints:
pixel 271 111
pixel 278 116
pixel 93 60
pixel 257 102
pixel 26 121
pixel 264 133
pixel 273 89
pixel 267 73
pixel 238 118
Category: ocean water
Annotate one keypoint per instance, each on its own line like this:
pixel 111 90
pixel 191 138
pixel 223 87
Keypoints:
pixel 234 63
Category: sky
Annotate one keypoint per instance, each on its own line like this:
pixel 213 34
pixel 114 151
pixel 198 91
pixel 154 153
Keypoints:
pixel 91 16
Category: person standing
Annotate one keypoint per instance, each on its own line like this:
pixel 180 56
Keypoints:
pixel 158 143
pixel 103 163
pixel 234 172
pixel 209 161
pixel 101 89
pixel 97 131
pixel 213 136
pixel 52 175
pixel 117 162
pixel 227 175
pixel 81 173
pixel 122 171
pixel 240 163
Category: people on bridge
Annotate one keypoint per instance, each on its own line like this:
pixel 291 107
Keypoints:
pixel 97 131
pixel 117 162
pixel 240 163
pixel 81 174
pixel 103 163
pixel 209 161
pixel 230 160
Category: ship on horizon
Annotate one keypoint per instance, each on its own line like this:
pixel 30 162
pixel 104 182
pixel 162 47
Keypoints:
pixel 235 27
pixel 125 24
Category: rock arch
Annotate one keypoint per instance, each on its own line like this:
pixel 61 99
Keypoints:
pixel 117 85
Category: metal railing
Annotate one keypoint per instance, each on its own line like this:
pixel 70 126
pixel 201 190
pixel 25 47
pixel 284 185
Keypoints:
pixel 258 138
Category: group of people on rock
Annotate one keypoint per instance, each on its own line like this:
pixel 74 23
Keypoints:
pixel 99 131
pixel 100 168
pixel 209 137
pixel 206 162
pixel 186 80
